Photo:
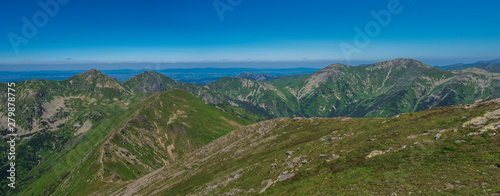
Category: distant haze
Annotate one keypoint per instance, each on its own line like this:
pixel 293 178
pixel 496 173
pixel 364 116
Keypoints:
pixel 93 33
pixel 159 66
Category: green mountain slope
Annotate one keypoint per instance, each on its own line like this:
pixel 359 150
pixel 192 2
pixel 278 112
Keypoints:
pixel 49 105
pixel 151 81
pixel 449 150
pixel 53 115
pixel 378 90
pixel 152 134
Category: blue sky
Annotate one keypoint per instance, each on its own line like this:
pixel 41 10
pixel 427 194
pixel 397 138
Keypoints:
pixel 177 31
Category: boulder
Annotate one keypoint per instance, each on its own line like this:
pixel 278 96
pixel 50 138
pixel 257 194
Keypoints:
pixel 437 136
pixel 476 121
pixel 374 153
pixel 283 177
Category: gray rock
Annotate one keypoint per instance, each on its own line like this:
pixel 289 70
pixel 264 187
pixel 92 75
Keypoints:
pixel 322 156
pixel 437 136
pixel 459 141
pixel 296 160
pixel 284 177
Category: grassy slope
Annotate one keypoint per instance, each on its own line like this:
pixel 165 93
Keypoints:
pixel 426 166
pixel 91 100
pixel 74 170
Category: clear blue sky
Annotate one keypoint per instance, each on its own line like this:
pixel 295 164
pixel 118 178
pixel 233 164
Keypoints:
pixel 89 31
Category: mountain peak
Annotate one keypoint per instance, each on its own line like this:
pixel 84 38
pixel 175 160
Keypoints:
pixel 93 73
pixel 151 72
pixel 336 65
pixel 152 75
pixel 150 81
pixel 403 63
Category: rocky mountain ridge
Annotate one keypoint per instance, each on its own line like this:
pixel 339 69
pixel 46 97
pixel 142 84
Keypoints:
pixel 256 77
pixel 491 66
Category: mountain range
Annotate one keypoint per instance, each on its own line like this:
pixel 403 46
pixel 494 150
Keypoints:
pixel 254 76
pixel 491 66
pixel 92 134
pixel 378 90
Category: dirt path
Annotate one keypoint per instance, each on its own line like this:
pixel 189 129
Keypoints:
pixel 231 122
